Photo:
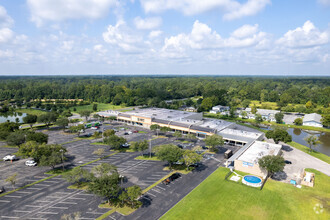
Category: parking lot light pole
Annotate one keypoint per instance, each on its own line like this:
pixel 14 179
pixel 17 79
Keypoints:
pixel 62 159
pixel 150 148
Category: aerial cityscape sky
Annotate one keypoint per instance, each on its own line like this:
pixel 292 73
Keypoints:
pixel 224 37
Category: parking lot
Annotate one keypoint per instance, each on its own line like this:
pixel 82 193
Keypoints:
pixel 51 199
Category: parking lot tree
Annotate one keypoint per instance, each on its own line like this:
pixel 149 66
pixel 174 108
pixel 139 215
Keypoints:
pixel 139 146
pixel 30 119
pixel 155 127
pixel 94 107
pixel 258 118
pixel 326 120
pixel 298 121
pixel 77 129
pixel 104 169
pixel 108 132
pixel 85 113
pixel 279 118
pixel 312 141
pixel 177 134
pixel 190 136
pixel 254 109
pixel 244 114
pixel 9 126
pixel 62 122
pixel 15 138
pixel 37 137
pixel 51 160
pixel 168 152
pixel 165 129
pixel 190 157
pixel 115 142
pixel 47 118
pixel 213 141
pixel 232 112
pixel 272 164
pixel 99 152
pixel 96 116
pixel 77 175
pixel 12 180
pixel 279 134
pixel 71 216
pixel 133 193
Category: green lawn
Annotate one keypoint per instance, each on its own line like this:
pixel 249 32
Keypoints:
pixel 100 107
pixel 268 105
pixel 216 198
pixel 30 111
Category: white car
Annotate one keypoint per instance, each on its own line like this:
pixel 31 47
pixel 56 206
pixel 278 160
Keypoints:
pixel 94 128
pixel 10 157
pixel 30 163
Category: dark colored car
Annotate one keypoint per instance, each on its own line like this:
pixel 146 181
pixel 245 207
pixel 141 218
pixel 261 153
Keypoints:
pixel 2 190
pixel 173 177
pixel 126 133
pixel 287 162
pixel 180 146
pixel 204 147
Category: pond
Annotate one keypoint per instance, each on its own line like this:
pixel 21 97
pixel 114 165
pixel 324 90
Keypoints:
pixel 12 117
pixel 298 136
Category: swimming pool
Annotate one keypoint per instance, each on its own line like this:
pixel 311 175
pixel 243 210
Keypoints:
pixel 253 181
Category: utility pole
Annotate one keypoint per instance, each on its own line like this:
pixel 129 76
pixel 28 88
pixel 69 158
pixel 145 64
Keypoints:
pixel 150 148
pixel 62 159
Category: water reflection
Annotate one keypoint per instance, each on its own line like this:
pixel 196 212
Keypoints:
pixel 12 117
pixel 297 131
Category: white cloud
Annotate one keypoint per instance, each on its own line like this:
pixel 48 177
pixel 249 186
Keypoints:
pixel 306 36
pixel 67 45
pixel 5 35
pixel 324 2
pixel 120 35
pixel 147 23
pixel 100 49
pixel 245 31
pixel 59 10
pixel 202 37
pixel 5 19
pixel 232 9
pixel 154 34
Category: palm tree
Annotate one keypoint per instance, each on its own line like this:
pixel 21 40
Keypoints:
pixel 312 141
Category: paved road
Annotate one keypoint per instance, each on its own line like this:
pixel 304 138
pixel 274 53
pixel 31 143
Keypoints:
pixel 301 160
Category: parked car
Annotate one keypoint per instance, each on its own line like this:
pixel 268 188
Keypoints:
pixel 287 162
pixel 136 131
pixel 2 189
pixel 10 157
pixel 126 133
pixel 126 145
pixel 204 147
pixel 129 132
pixel 173 177
pixel 180 146
pixel 94 128
pixel 30 163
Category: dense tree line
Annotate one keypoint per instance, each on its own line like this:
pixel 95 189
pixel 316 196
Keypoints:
pixel 152 91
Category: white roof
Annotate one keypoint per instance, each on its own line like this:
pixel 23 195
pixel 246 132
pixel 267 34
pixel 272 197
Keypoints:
pixel 258 150
pixel 312 117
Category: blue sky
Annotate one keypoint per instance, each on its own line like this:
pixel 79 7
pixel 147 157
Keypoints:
pixel 223 37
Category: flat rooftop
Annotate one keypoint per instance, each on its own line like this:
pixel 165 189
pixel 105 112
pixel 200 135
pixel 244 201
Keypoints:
pixel 242 133
pixel 161 113
pixel 257 150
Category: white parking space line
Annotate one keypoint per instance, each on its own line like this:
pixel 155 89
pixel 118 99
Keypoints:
pixel 41 184
pixel 37 218
pixel 85 218
pixel 56 197
pixel 21 211
pixel 151 194
pixel 71 203
pixel 4 201
pixel 57 207
pixel 10 196
pixel 95 213
pixel 3 216
pixel 43 201
pixel 147 198
pixel 33 206
pixel 57 178
pixel 48 213
pixel 23 192
pixel 160 187
pixel 153 178
pixel 78 198
pixel 111 217
pixel 50 181
pixel 155 190
pixel 34 188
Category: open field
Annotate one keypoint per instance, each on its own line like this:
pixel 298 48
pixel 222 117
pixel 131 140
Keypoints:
pixel 216 198
pixel 266 105
pixel 100 107
pixel 30 111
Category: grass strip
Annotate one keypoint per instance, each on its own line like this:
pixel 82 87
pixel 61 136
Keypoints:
pixel 313 153
pixel 98 143
pixel 7 146
pixel 70 142
pixel 105 214
pixel 31 184
pixel 156 183
pixel 154 158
